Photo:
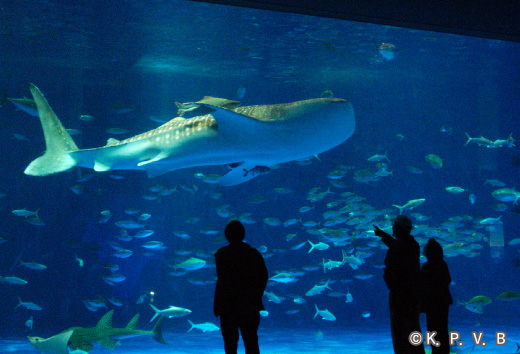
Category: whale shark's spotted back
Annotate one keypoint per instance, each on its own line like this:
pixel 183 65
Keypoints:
pixel 176 129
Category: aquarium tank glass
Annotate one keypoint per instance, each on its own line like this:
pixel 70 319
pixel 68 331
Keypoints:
pixel 172 118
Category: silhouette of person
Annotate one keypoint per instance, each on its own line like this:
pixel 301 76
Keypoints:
pixel 241 281
pixel 402 277
pixel 436 297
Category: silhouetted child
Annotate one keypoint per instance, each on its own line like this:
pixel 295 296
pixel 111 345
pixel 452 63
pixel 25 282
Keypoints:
pixel 436 296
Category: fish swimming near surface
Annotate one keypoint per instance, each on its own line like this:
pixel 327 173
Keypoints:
pixel 248 137
pixel 84 338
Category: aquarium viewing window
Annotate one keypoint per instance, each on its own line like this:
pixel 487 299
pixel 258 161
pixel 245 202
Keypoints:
pixel 172 118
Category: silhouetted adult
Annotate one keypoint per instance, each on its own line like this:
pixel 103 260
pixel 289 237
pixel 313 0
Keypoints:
pixel 242 278
pixel 402 277
pixel 436 298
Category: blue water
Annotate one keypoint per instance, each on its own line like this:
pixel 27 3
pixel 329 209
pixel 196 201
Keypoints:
pixel 370 338
pixel 127 65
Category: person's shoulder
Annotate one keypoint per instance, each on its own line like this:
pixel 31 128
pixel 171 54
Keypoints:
pixel 252 250
pixel 249 248
pixel 222 250
pixel 413 241
pixel 444 264
pixel 435 265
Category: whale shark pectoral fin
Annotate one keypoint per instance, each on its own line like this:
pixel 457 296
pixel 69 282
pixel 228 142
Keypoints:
pixel 155 159
pixel 157 169
pixel 239 174
pixel 101 167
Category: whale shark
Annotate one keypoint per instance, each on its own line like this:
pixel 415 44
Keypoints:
pixel 249 138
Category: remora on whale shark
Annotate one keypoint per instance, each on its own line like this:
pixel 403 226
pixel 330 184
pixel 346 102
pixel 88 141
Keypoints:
pixel 248 136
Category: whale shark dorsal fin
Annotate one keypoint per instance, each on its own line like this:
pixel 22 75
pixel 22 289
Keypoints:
pixel 133 323
pixel 106 320
pixel 112 141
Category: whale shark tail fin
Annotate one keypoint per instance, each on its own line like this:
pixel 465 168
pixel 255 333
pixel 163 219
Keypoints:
pixel 59 143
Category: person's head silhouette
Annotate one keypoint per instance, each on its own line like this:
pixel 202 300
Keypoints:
pixel 433 250
pixel 402 226
pixel 235 232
